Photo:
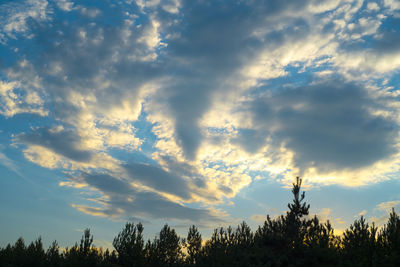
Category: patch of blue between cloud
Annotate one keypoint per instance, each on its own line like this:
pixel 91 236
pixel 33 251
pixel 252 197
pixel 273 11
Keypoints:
pixel 391 24
pixel 61 22
pixel 385 40
pixel 111 12
pixel 393 82
pixel 143 130
pixel 297 74
pixel 8 55
pixel 23 122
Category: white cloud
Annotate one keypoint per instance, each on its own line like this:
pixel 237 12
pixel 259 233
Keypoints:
pixel 15 99
pixel 388 205
pixel 323 6
pixel 392 4
pixel 151 36
pixel 373 6
pixel 172 7
pixel 259 218
pixel 65 5
pixel 17 16
pixel 89 12
pixel 362 213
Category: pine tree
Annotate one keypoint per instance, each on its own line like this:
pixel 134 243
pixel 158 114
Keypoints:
pixel 193 245
pixel 35 253
pixel 130 245
pixel 86 242
pixel 359 244
pixel 165 249
pixel 390 239
pixel 53 257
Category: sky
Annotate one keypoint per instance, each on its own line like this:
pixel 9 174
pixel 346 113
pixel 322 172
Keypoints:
pixel 194 112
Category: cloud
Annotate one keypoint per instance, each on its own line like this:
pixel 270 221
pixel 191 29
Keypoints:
pixel 65 5
pixel 181 103
pixel 259 218
pixel 59 140
pixel 328 125
pixel 159 179
pixel 377 58
pixel 124 200
pixel 9 163
pixel 383 210
pixel 92 76
pixel 392 4
pixel 15 100
pixel 324 214
pixel 16 17
pixel 362 213
pixel 388 205
pixel 218 45
pixel 373 6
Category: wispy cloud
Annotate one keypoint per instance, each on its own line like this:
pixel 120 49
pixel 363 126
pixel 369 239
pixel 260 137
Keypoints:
pixel 10 164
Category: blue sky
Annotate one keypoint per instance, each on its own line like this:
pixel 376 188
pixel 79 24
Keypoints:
pixel 194 112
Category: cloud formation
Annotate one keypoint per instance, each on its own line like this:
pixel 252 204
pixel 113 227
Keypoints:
pixel 60 141
pixel 328 125
pixel 122 198
pixel 159 105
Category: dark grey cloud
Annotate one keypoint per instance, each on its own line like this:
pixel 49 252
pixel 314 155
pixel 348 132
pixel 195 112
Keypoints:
pixel 158 179
pixel 215 40
pixel 388 41
pixel 107 184
pixel 179 179
pixel 63 142
pixel 327 124
pixel 121 195
pixel 250 140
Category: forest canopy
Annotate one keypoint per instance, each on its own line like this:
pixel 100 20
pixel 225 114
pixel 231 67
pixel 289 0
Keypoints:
pixel 292 239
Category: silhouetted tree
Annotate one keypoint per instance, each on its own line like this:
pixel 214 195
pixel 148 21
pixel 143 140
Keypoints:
pixel 389 238
pixel 297 210
pixel 35 254
pixel 14 255
pixel 320 244
pixel 293 239
pixel 130 245
pixel 19 255
pixel 86 242
pixel 165 249
pixel 217 250
pixel 53 257
pixel 193 245
pixel 359 244
pixel 270 243
pixel 243 252
pixel 84 254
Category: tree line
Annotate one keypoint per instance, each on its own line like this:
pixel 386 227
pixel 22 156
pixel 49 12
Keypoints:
pixel 293 239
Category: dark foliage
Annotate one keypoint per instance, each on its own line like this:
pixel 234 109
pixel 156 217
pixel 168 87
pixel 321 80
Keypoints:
pixel 129 245
pixel 294 239
pixel 165 250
